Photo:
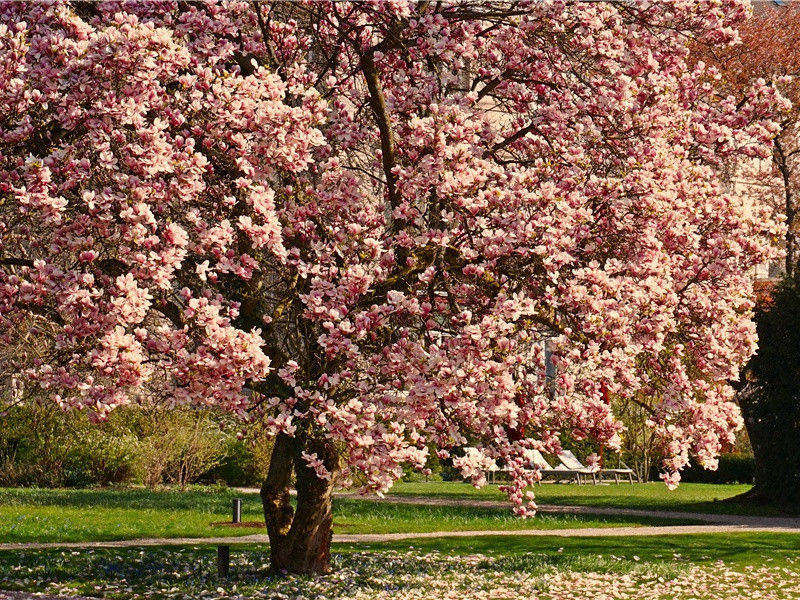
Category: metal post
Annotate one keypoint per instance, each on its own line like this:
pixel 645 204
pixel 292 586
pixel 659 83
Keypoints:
pixel 223 560
pixel 237 510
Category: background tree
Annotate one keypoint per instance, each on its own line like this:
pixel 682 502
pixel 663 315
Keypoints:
pixel 362 221
pixel 770 49
pixel 770 399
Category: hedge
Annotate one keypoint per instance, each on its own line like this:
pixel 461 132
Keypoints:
pixel 733 468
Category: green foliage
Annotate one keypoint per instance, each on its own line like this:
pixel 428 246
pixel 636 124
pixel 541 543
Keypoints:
pixel 100 458
pixel 236 467
pixel 246 460
pixel 41 445
pixel 639 444
pixel 177 447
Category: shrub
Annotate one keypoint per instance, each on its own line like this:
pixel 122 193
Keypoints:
pixel 100 458
pixel 246 458
pixel 44 446
pixel 178 447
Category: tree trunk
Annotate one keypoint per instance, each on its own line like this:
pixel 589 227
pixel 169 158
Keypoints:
pixel 300 539
pixel 774 430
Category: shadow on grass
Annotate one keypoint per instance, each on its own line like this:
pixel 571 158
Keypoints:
pixel 689 497
pixel 156 567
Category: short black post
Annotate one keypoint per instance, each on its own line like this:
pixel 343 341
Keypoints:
pixel 237 510
pixel 223 560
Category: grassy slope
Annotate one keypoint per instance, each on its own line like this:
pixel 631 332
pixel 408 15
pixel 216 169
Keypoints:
pixel 82 515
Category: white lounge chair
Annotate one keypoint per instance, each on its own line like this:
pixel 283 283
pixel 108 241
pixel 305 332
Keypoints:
pixel 622 470
pixel 571 462
pixel 560 472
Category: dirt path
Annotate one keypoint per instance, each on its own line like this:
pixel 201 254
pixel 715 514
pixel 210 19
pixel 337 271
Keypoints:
pixel 625 531
pixel 712 523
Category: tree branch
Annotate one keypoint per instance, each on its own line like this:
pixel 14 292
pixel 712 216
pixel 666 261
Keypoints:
pixel 377 102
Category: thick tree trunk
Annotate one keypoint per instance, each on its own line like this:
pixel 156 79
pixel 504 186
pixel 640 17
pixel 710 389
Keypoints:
pixel 300 539
pixel 774 431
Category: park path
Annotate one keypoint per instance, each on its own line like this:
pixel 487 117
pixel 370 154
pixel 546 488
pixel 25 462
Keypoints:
pixel 624 531
pixel 710 523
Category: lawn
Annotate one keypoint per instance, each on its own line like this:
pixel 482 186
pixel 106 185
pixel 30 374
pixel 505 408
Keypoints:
pixel 697 567
pixel 689 497
pixel 680 567
pixel 40 515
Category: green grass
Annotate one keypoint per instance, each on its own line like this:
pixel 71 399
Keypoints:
pixel 689 497
pixel 41 515
pixel 358 516
pixel 79 515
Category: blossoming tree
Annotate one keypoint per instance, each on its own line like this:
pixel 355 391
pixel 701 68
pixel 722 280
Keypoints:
pixel 360 222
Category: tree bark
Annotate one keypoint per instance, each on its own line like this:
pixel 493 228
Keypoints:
pixel 781 160
pixel 300 538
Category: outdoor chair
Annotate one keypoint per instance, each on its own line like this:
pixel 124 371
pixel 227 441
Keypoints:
pixel 559 472
pixel 571 462
pixel 622 470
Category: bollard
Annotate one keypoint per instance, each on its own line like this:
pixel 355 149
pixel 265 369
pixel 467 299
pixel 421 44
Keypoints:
pixel 237 510
pixel 223 560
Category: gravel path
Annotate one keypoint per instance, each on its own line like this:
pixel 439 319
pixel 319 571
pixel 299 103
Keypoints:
pixel 712 523
pixel 625 531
